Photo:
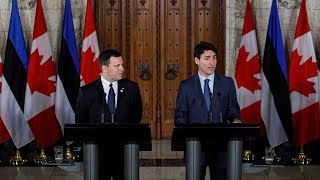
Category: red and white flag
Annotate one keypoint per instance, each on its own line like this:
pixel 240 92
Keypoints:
pixel 304 83
pixel 39 107
pixel 4 134
pixel 89 67
pixel 248 71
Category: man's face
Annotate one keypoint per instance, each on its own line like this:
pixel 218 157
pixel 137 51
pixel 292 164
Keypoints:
pixel 115 70
pixel 207 63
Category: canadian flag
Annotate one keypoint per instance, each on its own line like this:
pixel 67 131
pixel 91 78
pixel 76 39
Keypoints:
pixel 304 83
pixel 41 91
pixel 89 67
pixel 247 73
pixel 4 134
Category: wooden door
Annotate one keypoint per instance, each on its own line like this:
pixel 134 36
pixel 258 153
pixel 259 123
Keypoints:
pixel 156 39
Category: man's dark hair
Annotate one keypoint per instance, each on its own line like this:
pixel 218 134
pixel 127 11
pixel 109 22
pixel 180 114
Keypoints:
pixel 104 57
pixel 203 46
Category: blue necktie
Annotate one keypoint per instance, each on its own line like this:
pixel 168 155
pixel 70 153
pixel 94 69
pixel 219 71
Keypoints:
pixel 111 97
pixel 206 92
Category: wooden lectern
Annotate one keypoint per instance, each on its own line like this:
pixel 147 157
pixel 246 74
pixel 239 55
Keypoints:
pixel 134 137
pixel 191 137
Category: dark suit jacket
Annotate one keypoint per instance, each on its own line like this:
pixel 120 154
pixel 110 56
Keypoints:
pixel 91 102
pixel 191 106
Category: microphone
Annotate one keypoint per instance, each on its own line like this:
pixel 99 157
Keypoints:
pixel 220 112
pixel 103 107
pixel 210 118
pixel 112 118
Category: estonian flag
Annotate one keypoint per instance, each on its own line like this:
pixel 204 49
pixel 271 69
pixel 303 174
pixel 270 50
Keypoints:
pixel 68 79
pixel 4 134
pixel 275 100
pixel 14 82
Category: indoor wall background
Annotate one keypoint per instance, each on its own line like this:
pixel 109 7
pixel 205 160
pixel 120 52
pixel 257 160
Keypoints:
pixel 159 35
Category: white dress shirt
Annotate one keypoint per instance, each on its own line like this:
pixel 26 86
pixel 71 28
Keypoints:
pixel 106 88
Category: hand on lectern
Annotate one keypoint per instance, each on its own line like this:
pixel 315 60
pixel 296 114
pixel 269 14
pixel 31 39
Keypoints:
pixel 236 121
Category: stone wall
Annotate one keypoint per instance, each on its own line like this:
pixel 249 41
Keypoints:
pixel 288 13
pixel 53 10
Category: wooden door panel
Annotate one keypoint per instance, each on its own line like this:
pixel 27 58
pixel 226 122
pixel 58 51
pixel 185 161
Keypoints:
pixel 108 22
pixel 173 58
pixel 142 56
pixel 156 39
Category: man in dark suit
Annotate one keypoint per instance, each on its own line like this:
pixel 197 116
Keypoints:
pixel 110 99
pixel 208 97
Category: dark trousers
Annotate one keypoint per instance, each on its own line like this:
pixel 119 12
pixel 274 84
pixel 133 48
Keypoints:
pixel 217 162
pixel 111 162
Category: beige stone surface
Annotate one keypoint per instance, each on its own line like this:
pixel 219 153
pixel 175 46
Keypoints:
pixel 53 9
pixel 288 13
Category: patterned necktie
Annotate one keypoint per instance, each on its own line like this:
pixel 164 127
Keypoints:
pixel 111 97
pixel 206 92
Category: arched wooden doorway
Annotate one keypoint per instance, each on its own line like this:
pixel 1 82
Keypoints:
pixel 156 38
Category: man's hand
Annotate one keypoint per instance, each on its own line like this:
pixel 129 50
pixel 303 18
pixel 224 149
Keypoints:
pixel 236 121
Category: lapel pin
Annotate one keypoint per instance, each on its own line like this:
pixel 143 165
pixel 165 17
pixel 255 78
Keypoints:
pixel 122 89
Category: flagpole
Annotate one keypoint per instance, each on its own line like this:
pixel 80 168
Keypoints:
pixel 41 158
pixel 69 154
pixel 301 159
pixel 17 159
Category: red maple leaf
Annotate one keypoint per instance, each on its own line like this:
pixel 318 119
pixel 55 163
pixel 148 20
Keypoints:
pixel 245 71
pixel 90 69
pixel 38 75
pixel 298 74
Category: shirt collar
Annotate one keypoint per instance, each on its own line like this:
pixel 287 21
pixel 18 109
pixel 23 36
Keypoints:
pixel 202 78
pixel 106 83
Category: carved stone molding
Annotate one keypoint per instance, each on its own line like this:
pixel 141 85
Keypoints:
pixel 27 4
pixel 290 4
pixel 240 9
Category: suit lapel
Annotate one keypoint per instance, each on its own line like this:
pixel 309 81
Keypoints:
pixel 217 91
pixel 198 91
pixel 99 87
pixel 121 91
pixel 102 96
pixel 217 85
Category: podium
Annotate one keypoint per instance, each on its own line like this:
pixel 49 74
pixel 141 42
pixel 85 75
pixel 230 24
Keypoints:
pixel 134 137
pixel 192 137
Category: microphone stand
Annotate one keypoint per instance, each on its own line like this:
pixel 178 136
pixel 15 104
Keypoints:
pixel 103 108
pixel 220 112
pixel 112 118
pixel 210 110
